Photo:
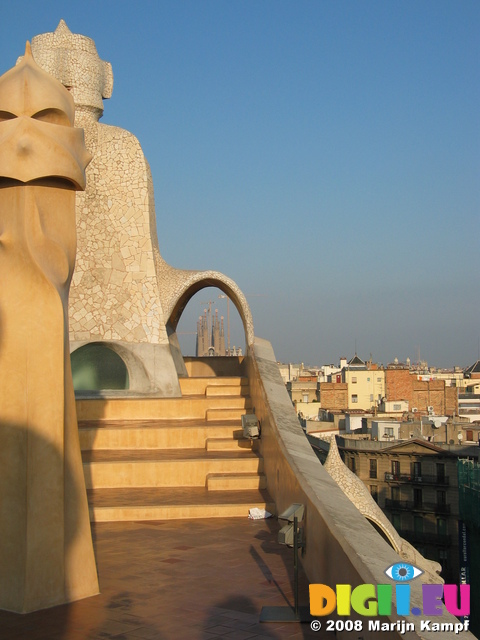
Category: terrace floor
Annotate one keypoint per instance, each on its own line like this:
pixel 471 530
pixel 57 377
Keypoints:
pixel 177 579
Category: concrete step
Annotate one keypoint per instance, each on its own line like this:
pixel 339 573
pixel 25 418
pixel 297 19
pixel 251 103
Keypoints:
pixel 214 367
pixel 235 482
pixel 168 468
pixel 230 390
pixel 193 407
pixel 172 458
pixel 107 505
pixel 199 386
pixel 226 414
pixel 230 444
pixel 141 434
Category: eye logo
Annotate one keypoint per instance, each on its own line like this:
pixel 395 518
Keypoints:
pixel 376 600
pixel 403 572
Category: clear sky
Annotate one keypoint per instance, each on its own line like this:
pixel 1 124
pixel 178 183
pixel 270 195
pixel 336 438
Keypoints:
pixel 324 154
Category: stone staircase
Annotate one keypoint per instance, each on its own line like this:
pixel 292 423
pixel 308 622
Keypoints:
pixel 172 458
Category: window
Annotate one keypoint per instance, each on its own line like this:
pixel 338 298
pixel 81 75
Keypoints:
pixel 397 407
pixel 418 524
pixel 396 467
pixel 354 398
pixel 397 521
pixel 354 379
pixel 443 558
pixel 396 494
pixel 351 464
pixel 440 472
pixel 417 497
pixel 441 498
pixel 96 367
pixel 374 492
pixel 417 469
pixel 368 379
pixel 305 397
pixel 373 468
pixel 371 397
pixel 379 379
pixel 441 526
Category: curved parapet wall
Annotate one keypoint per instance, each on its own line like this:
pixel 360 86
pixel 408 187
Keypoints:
pixel 341 546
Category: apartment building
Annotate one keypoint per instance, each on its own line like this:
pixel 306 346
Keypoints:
pixel 423 395
pixel 415 483
pixel 358 386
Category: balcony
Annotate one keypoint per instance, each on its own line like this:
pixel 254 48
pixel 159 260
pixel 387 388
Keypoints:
pixel 422 479
pixel 407 505
pixel 420 537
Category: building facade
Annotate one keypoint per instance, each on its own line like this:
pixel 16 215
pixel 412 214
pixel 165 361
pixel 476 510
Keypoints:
pixel 469 496
pixel 366 387
pixel 358 385
pixel 305 389
pixel 415 484
pixel 423 396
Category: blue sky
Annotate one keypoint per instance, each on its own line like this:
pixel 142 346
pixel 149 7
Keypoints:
pixel 323 154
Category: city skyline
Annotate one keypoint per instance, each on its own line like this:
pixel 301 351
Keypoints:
pixel 324 155
pixel 200 303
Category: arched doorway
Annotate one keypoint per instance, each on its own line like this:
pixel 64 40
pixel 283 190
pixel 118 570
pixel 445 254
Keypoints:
pixel 95 367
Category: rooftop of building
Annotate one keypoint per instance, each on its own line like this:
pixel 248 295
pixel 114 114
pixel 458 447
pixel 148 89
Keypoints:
pixel 473 369
pixel 196 579
pixel 364 443
pixel 356 362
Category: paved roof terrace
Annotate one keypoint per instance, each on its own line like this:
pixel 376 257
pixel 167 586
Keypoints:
pixel 170 580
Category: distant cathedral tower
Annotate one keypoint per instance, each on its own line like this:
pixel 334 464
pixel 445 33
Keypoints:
pixel 202 336
pixel 210 342
pixel 218 336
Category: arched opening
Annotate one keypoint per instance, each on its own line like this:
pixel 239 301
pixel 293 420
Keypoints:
pixel 95 367
pixel 210 326
pixel 227 287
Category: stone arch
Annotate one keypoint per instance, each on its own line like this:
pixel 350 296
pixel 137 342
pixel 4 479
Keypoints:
pixel 227 286
pixel 120 368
